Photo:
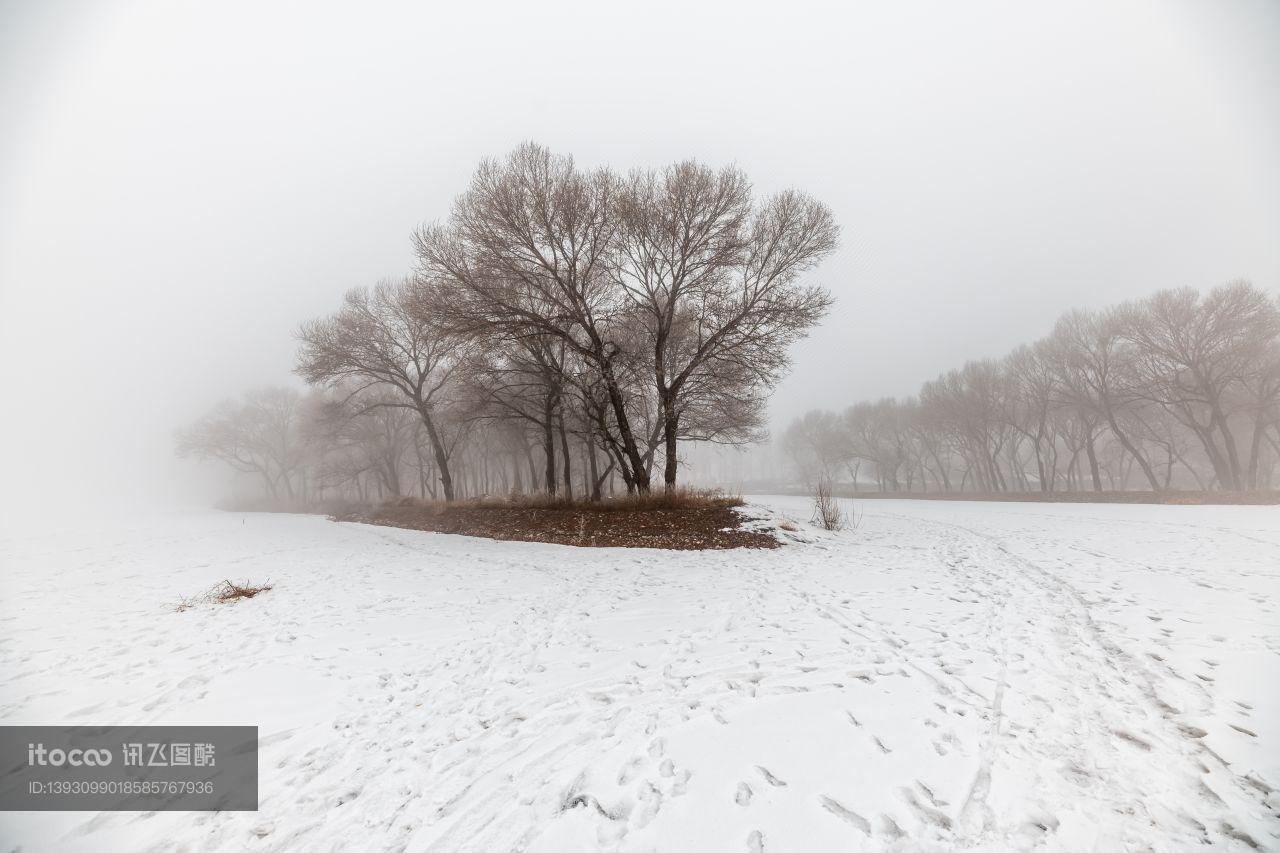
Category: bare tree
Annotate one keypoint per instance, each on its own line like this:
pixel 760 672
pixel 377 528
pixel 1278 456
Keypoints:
pixel 259 434
pixel 382 339
pixel 715 284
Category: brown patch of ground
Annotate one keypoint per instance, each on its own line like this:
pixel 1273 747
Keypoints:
pixel 620 524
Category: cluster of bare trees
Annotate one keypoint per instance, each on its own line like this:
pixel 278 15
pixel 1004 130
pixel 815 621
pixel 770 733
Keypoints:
pixel 326 444
pixel 1177 390
pixel 560 320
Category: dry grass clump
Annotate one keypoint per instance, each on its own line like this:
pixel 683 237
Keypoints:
pixel 228 591
pixel 658 499
pixel 222 592
pixel 828 513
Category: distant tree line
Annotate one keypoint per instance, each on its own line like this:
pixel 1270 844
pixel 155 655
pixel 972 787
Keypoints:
pixel 564 328
pixel 1179 390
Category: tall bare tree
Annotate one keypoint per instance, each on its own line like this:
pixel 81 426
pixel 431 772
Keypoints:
pixel 715 282
pixel 383 339
pixel 527 251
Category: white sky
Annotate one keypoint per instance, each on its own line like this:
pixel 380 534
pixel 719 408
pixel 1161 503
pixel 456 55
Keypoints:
pixel 182 183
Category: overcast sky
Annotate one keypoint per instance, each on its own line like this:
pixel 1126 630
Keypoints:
pixel 182 183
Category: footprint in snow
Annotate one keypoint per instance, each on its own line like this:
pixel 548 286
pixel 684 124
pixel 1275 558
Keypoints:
pixel 1132 739
pixel 650 801
pixel 888 827
pixel 630 770
pixel 770 778
pixel 929 795
pixel 846 814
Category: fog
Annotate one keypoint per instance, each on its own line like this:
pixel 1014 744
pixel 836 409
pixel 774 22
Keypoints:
pixel 182 185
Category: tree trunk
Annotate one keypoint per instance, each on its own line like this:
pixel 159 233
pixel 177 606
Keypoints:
pixel 593 467
pixel 1092 453
pixel 442 458
pixel 1040 469
pixel 549 443
pixel 1255 449
pixel 270 484
pixel 1213 452
pixel 1133 451
pixel 568 460
pixel 624 471
pixel 670 429
pixel 1228 439
pixel 638 474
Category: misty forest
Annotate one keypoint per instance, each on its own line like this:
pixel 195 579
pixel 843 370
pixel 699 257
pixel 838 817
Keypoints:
pixel 565 331
pixel 664 428
pixel 1180 390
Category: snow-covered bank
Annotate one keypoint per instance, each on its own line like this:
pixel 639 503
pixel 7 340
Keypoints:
pixel 999 676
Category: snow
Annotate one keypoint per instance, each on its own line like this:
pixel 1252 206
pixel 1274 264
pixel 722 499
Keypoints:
pixel 979 675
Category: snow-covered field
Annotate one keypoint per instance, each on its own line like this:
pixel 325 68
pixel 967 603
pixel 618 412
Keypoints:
pixel 976 675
